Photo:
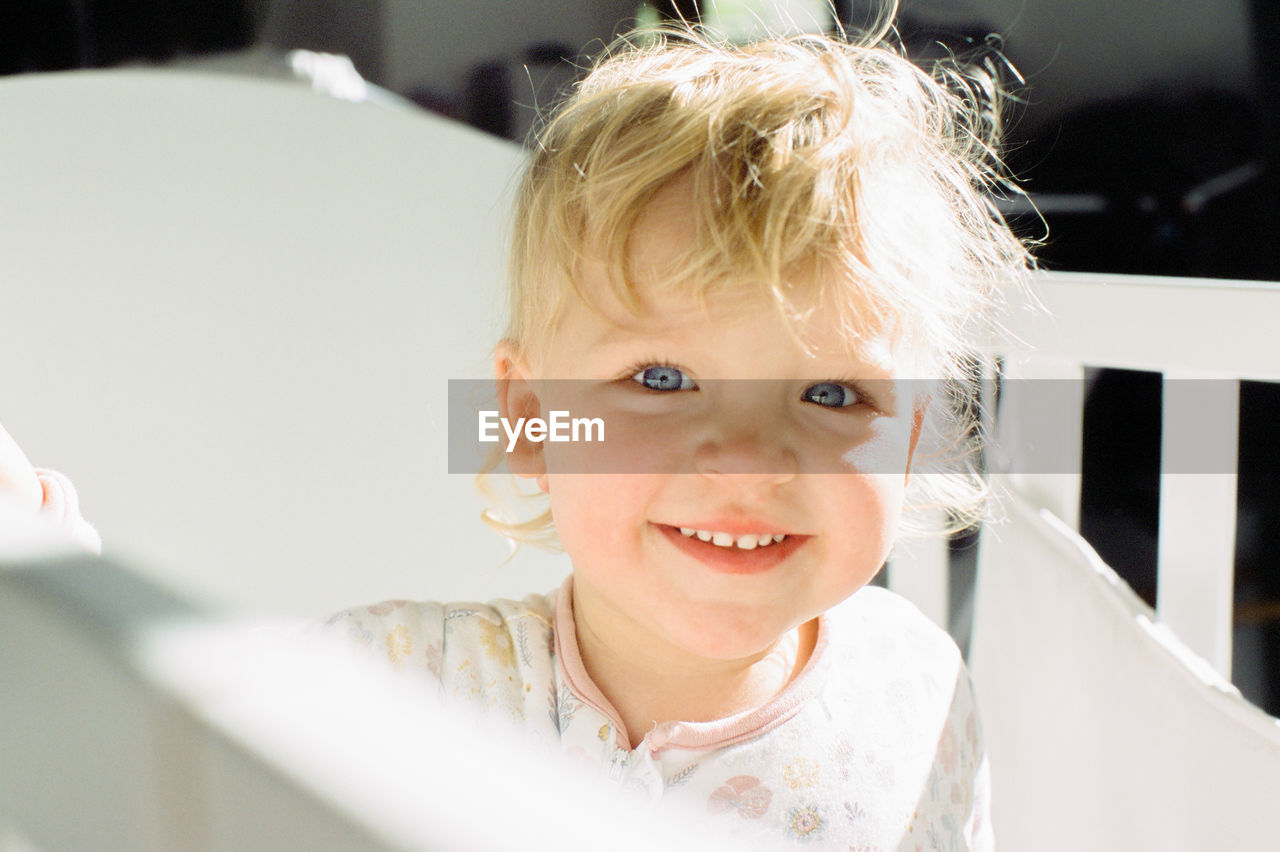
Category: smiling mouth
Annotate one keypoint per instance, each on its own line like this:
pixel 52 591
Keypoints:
pixel 730 553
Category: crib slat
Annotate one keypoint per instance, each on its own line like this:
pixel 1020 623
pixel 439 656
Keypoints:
pixel 1040 433
pixel 1196 562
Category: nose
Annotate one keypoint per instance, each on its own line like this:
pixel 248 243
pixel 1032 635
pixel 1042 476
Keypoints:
pixel 746 455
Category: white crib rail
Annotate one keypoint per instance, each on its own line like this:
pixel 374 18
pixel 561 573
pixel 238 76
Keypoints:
pixel 1187 329
pixel 1200 326
pixel 130 719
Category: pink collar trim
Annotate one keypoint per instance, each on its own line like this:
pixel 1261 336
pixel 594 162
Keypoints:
pixel 695 736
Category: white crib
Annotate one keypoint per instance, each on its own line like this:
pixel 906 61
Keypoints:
pixel 1112 726
pixel 1159 325
pixel 230 309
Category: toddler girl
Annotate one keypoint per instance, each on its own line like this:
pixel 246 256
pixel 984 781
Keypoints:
pixel 759 267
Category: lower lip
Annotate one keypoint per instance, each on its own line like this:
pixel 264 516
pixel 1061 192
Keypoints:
pixel 734 560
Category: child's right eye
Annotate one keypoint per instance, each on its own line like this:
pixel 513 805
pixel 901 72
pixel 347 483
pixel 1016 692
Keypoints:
pixel 663 378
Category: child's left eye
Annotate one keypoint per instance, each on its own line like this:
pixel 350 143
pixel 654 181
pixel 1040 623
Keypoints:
pixel 830 395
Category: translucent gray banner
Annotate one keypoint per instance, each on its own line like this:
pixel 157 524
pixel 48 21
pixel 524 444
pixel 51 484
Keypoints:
pixel 662 422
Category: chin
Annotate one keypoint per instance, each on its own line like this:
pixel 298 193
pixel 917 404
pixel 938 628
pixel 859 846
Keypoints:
pixel 734 641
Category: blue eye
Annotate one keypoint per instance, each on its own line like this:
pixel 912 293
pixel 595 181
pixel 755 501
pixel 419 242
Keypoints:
pixel 830 395
pixel 664 379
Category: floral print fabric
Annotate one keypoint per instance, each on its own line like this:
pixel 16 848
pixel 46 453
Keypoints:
pixel 878 750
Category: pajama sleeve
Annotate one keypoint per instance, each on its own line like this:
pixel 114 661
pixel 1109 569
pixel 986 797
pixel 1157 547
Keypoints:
pixel 407 635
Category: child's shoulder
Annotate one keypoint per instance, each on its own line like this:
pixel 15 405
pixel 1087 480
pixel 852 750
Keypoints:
pixel 491 654
pixel 405 622
pixel 879 621
pixel 895 671
pixel 409 613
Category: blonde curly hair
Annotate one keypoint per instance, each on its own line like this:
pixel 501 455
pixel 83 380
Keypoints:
pixel 804 152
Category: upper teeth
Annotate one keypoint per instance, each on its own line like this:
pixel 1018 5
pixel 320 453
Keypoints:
pixel 724 539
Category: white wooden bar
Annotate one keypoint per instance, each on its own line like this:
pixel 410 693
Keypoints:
pixel 1209 327
pixel 1039 432
pixel 1197 533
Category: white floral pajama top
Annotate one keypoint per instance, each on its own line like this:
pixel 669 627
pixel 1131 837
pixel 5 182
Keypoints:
pixel 874 746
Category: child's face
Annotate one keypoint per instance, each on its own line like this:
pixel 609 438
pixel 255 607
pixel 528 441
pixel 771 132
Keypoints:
pixel 737 457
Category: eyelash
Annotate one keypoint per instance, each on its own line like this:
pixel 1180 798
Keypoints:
pixel 641 366
pixel 860 396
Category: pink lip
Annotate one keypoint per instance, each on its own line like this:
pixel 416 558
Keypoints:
pixel 731 560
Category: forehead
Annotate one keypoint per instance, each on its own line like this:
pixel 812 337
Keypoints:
pixel 674 283
pixel 678 325
pixel 664 232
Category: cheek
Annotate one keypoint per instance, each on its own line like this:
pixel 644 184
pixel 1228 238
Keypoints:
pixel 865 515
pixel 594 512
pixel 871 509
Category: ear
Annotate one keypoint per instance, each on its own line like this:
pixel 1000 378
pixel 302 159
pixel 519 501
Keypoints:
pixel 917 426
pixel 517 398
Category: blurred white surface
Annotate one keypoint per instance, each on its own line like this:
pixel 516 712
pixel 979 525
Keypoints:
pixel 130 719
pixel 230 308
